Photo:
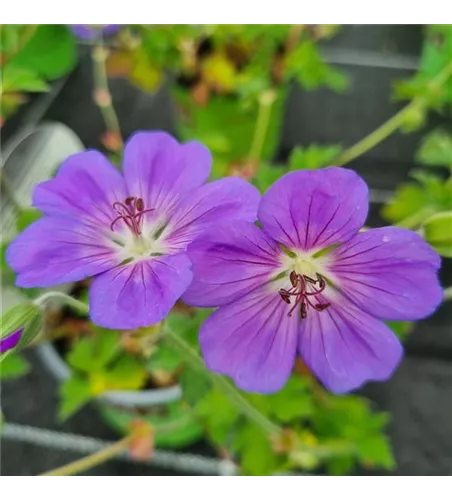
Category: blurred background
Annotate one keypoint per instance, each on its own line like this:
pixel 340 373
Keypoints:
pixel 263 98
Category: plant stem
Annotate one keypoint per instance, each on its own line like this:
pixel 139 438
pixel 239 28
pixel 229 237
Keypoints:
pixel 102 95
pixel 75 304
pixel 266 100
pixel 8 191
pixel 391 125
pixel 448 293
pixel 91 460
pixel 234 395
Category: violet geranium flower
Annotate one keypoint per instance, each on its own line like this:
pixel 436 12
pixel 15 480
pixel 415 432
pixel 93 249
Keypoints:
pixel 131 231
pixel 91 31
pixel 10 341
pixel 309 282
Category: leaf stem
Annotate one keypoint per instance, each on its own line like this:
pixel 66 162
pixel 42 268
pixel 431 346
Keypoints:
pixel 234 395
pixel 266 100
pixel 102 95
pixel 390 126
pixel 63 298
pixel 92 460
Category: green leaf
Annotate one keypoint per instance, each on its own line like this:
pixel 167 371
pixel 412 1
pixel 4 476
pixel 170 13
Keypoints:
pixel 74 393
pixel 293 402
pixel 94 353
pixel 164 358
pixel 14 366
pixel 376 451
pixel 437 231
pixel 218 414
pixel 436 149
pixel 127 373
pixel 306 65
pixel 313 157
pixel 256 455
pixel 22 79
pixel 267 174
pixel 50 52
pixel 195 385
pixel 401 328
pixel 27 217
pixel 409 199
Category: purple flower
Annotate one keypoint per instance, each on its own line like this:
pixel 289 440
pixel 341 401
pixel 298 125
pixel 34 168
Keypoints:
pixel 10 341
pixel 91 31
pixel 130 232
pixel 309 282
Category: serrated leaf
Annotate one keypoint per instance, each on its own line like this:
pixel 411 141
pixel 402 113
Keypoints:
pixel 313 157
pixel 218 414
pixel 293 402
pixel 195 385
pixel 409 199
pixel 375 451
pixel 164 358
pixel 306 65
pixel 437 231
pixel 256 454
pixel 436 149
pixel 128 373
pixel 14 366
pixel 50 52
pixel 74 393
pixel 95 352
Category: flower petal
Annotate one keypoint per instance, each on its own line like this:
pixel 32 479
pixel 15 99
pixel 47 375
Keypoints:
pixel 85 188
pixel 346 347
pixel 10 341
pixel 389 272
pixel 230 198
pixel 54 250
pixel 230 260
pixel 162 171
pixel 315 209
pixel 252 340
pixel 139 294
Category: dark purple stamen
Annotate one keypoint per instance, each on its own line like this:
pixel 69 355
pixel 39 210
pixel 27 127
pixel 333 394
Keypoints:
pixel 302 296
pixel 131 211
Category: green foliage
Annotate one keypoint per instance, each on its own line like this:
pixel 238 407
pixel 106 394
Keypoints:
pixel 226 127
pixel 99 364
pixel 23 79
pixel 50 52
pixel 306 65
pixel 256 455
pixel 430 83
pixel 27 217
pixel 350 418
pixel 436 149
pixel 14 366
pixel 74 393
pixel 194 385
pixel 437 230
pixel 313 156
pixel 413 203
pixel 30 56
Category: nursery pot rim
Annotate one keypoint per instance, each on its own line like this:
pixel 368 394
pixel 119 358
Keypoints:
pixel 125 399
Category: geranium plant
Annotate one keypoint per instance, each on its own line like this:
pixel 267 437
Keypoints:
pixel 256 290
